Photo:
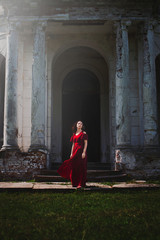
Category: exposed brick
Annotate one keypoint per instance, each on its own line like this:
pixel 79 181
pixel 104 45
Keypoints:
pixel 19 165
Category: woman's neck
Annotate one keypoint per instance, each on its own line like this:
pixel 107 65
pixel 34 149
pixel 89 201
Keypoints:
pixel 78 131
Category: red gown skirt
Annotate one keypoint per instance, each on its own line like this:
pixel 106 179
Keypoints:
pixel 75 168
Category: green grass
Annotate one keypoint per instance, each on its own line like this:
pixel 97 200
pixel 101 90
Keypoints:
pixel 154 181
pixel 133 215
pixel 108 183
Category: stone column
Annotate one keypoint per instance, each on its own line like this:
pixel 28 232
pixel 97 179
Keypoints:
pixel 10 105
pixel 20 91
pixel 123 129
pixel 38 88
pixel 149 87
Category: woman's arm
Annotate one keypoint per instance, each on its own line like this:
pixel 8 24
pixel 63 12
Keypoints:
pixel 85 148
pixel 72 149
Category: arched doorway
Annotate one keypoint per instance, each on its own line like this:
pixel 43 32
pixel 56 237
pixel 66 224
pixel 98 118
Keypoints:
pixel 157 62
pixel 2 88
pixel 90 69
pixel 81 101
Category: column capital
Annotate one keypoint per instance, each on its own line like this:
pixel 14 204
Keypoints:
pixel 116 24
pixel 121 25
pixel 149 25
pixel 39 26
pixel 14 26
pixel 125 24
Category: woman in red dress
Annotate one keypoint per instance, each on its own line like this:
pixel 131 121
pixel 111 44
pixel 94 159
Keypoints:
pixel 75 168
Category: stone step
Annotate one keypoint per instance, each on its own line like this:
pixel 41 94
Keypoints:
pixel 91 177
pixel 89 172
pixel 99 166
pixel 90 166
pixel 108 178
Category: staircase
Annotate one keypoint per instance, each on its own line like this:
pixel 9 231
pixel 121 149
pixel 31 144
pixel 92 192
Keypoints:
pixel 96 172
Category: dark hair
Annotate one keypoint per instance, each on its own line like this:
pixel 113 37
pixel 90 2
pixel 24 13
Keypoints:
pixel 74 127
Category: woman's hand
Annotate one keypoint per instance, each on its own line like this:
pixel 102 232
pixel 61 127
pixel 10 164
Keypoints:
pixel 71 155
pixel 83 155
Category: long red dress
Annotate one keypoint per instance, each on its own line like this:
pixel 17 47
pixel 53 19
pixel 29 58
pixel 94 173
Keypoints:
pixel 75 168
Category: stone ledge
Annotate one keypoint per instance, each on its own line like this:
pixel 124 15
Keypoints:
pixel 61 186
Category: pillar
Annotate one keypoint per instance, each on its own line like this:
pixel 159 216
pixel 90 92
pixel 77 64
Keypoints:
pixel 38 88
pixel 20 91
pixel 10 104
pixel 123 128
pixel 149 87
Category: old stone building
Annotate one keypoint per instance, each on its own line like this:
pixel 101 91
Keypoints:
pixel 68 60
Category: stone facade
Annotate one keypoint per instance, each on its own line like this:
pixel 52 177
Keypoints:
pixel 41 44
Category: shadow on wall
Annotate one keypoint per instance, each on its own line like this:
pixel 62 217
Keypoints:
pixel 157 62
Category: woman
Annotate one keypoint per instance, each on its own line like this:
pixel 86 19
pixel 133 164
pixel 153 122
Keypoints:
pixel 75 168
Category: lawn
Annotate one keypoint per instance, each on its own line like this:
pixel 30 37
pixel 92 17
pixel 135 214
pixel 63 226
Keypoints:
pixel 80 215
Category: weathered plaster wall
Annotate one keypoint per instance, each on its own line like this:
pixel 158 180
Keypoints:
pixel 24 85
pixel 3 49
pixel 2 88
pixel 139 162
pixel 157 40
pixel 134 90
pixel 3 45
pixel 27 91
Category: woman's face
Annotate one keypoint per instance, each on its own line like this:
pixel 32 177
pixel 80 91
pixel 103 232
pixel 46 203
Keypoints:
pixel 79 125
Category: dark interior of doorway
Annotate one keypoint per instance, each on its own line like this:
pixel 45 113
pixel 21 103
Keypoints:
pixel 81 101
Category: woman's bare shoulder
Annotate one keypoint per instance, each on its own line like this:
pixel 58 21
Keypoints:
pixel 84 132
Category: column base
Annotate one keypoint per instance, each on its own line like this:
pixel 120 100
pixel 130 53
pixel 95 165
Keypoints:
pixel 138 162
pixel 9 147
pixel 38 148
pixel 17 165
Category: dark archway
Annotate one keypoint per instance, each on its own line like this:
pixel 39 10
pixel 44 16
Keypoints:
pixel 88 60
pixel 158 91
pixel 81 101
